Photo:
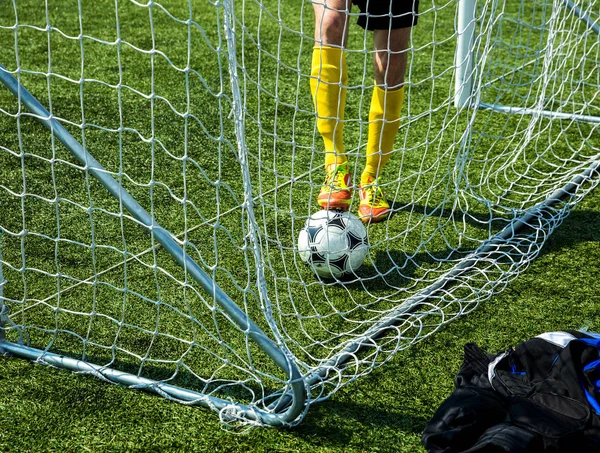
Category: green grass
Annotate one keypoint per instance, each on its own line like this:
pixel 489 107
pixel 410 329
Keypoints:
pixel 184 170
pixel 45 409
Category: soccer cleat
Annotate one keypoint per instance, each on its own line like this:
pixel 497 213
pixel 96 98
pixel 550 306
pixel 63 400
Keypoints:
pixel 336 193
pixel 373 205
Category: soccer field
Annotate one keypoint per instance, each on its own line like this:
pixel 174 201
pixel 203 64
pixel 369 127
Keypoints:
pixel 146 90
pixel 44 409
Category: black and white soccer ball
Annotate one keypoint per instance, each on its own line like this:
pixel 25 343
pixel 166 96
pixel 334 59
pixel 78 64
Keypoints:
pixel 333 243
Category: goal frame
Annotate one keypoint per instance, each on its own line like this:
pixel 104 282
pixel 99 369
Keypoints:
pixel 288 404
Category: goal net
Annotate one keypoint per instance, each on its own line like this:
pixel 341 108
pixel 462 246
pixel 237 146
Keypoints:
pixel 158 160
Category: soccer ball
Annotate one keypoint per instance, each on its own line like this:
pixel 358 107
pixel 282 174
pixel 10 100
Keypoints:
pixel 333 243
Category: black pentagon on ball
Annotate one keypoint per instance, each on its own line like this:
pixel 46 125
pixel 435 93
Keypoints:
pixel 340 263
pixel 338 221
pixel 315 256
pixel 312 232
pixel 353 240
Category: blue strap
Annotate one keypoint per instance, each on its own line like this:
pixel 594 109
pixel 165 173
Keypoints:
pixel 592 341
pixel 593 365
pixel 593 402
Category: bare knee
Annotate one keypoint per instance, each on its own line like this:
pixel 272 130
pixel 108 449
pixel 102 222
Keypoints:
pixel 389 61
pixel 389 68
pixel 331 22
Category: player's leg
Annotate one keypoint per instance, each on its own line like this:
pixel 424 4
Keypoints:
pixel 384 117
pixel 389 61
pixel 329 78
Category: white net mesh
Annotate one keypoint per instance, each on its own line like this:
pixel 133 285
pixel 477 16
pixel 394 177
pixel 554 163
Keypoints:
pixel 203 112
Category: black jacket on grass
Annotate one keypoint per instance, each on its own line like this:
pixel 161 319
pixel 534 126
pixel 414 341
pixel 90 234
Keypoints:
pixel 541 396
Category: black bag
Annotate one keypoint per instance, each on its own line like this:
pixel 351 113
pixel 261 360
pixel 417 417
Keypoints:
pixel 543 395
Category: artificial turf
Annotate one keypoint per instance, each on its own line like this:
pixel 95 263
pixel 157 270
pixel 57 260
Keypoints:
pixel 48 410
pixel 185 170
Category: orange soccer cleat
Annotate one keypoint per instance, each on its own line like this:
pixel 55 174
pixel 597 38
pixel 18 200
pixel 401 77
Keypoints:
pixel 373 205
pixel 336 192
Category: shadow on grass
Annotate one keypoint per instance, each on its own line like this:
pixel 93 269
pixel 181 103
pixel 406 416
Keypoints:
pixel 477 220
pixel 394 269
pixel 578 227
pixel 585 223
pixel 368 416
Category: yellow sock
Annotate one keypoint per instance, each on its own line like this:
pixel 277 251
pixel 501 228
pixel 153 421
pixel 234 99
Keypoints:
pixel 384 121
pixel 327 75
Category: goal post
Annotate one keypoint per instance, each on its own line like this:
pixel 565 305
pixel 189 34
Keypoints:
pixel 466 53
pixel 292 409
pixel 165 239
pixel 159 161
pixel 3 309
pixel 465 35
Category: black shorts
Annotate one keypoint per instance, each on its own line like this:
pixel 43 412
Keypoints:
pixel 387 14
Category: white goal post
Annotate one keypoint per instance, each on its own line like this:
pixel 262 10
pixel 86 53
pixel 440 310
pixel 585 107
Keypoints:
pixel 159 159
pixel 465 57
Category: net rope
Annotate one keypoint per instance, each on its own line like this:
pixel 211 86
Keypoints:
pixel 203 113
